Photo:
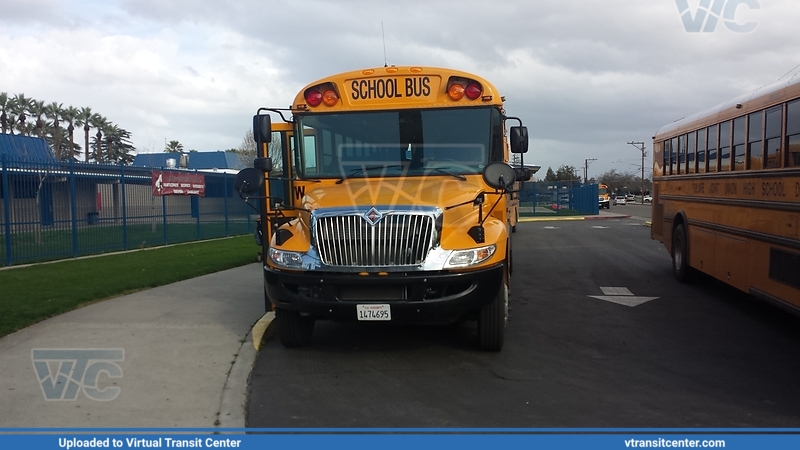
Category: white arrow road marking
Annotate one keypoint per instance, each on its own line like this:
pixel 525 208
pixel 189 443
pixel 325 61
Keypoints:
pixel 616 290
pixel 599 227
pixel 621 296
pixel 550 228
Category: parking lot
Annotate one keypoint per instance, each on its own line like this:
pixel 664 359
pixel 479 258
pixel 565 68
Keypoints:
pixel 600 335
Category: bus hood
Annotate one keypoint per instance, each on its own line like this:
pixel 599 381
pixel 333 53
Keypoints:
pixel 430 191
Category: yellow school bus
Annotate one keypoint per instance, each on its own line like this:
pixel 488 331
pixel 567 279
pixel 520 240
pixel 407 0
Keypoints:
pixel 726 197
pixel 392 204
pixel 604 196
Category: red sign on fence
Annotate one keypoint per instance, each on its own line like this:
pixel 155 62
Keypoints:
pixel 177 183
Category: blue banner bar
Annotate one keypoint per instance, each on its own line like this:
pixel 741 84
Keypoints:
pixel 397 439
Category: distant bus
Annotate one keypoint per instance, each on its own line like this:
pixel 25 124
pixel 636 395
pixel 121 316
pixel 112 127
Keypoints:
pixel 604 196
pixel 726 193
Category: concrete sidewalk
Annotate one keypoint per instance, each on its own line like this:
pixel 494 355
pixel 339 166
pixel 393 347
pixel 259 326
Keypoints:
pixel 187 348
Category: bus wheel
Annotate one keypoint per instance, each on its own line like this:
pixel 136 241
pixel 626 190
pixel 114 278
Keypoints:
pixel 492 320
pixel 294 330
pixel 680 255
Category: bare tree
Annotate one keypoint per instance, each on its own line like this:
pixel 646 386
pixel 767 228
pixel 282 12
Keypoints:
pixel 247 151
pixel 625 181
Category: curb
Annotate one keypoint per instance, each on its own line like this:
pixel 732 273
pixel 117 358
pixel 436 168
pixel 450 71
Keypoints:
pixel 621 216
pixel 573 218
pixel 233 402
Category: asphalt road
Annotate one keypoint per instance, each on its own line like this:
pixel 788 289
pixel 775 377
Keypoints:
pixel 577 353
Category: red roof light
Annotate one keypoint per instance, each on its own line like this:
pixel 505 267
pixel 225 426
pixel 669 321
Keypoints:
pixel 313 97
pixel 473 91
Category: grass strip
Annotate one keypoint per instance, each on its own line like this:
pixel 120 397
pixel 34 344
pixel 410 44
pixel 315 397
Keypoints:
pixel 34 293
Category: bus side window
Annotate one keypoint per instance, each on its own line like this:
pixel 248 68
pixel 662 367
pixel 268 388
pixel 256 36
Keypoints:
pixel 793 134
pixel 277 188
pixel 773 137
pixel 702 145
pixel 755 141
pixel 713 138
pixel 673 156
pixel 691 153
pixel 725 146
pixel 737 162
pixel 682 154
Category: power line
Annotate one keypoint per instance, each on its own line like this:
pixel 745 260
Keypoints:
pixel 790 71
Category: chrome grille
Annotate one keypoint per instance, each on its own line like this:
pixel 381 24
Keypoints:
pixel 395 240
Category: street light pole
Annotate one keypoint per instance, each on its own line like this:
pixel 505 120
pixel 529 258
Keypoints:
pixel 637 144
pixel 586 169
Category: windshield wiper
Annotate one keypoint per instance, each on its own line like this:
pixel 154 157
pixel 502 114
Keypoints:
pixel 355 172
pixel 442 170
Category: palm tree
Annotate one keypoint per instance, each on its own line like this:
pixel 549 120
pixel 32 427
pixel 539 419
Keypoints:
pixel 21 105
pixel 12 119
pixel 55 111
pixel 173 147
pixel 101 123
pixel 4 105
pixel 28 129
pixel 85 119
pixel 69 115
pixel 119 147
pixel 38 110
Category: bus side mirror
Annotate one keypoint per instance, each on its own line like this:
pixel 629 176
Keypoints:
pixel 248 181
pixel 519 139
pixel 500 176
pixel 262 129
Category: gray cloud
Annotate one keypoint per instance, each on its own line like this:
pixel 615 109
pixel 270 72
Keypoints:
pixel 585 76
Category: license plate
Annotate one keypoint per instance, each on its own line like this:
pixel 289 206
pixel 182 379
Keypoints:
pixel 374 312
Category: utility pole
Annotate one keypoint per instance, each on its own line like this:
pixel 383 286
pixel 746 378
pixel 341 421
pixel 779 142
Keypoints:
pixel 586 169
pixel 640 146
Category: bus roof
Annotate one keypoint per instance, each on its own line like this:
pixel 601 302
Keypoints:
pixel 761 98
pixel 395 87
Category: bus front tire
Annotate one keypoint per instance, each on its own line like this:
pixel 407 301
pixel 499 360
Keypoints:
pixel 294 329
pixel 492 320
pixel 680 255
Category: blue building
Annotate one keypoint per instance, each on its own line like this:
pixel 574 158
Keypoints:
pixel 219 160
pixel 25 148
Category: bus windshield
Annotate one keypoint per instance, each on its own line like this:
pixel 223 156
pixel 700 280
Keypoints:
pixel 398 143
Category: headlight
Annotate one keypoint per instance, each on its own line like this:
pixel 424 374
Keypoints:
pixel 464 258
pixel 289 260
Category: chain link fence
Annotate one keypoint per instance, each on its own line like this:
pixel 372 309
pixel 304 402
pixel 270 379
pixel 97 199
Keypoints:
pixel 56 210
pixel 563 198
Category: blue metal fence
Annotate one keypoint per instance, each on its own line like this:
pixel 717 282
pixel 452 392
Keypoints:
pixel 543 198
pixel 55 210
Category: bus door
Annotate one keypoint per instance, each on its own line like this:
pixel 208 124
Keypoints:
pixel 285 189
pixel 304 167
pixel 278 186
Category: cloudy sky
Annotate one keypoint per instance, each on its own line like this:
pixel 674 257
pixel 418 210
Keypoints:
pixel 586 76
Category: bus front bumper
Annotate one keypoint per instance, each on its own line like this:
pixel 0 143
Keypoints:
pixel 414 297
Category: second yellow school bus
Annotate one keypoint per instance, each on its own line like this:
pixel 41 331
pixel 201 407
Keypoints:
pixel 726 198
pixel 392 203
